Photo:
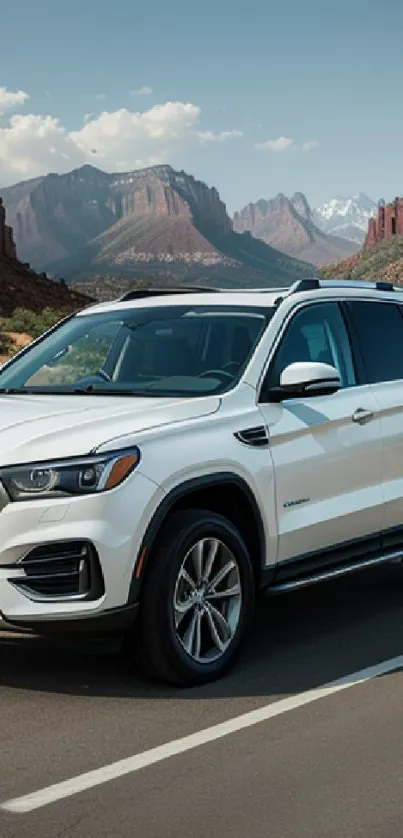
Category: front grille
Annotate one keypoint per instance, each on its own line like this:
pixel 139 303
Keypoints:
pixel 62 570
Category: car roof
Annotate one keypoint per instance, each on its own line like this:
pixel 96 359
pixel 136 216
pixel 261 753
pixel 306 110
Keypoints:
pixel 311 288
pixel 233 297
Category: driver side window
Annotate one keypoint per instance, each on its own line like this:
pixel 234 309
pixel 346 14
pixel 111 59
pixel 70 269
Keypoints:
pixel 316 333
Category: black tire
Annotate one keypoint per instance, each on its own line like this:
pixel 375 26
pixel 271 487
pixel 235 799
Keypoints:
pixel 154 638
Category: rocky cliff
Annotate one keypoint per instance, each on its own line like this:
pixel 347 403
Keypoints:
pixel 287 224
pixel 164 192
pixel 21 287
pixel 387 223
pixel 7 245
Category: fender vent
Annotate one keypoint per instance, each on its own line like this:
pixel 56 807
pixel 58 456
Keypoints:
pixel 256 437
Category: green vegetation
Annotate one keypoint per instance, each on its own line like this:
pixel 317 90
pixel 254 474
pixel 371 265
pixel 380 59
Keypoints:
pixel 383 261
pixel 25 321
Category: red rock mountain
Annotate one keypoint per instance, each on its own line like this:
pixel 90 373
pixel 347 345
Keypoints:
pixel 287 224
pixel 142 223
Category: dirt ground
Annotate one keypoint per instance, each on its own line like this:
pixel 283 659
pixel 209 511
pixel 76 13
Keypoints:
pixel 19 340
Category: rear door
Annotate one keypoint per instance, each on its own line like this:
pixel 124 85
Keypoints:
pixel 326 450
pixel 379 328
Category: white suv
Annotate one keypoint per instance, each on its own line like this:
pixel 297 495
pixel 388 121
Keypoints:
pixel 166 457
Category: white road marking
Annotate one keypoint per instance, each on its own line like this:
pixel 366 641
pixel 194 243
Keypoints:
pixel 91 779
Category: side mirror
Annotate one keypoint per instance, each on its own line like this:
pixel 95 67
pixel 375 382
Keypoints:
pixel 306 379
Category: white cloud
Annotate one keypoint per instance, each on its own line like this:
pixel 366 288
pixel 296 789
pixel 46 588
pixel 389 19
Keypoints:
pixel 100 97
pixel 221 137
pixel 281 144
pixel 285 144
pixel 32 144
pixel 11 98
pixel 142 91
pixel 309 145
pixel 125 135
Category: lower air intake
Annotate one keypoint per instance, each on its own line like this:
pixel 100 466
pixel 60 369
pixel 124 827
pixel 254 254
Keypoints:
pixel 67 570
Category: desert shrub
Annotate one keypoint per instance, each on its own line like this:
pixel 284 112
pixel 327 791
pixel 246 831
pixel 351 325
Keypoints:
pixel 25 321
pixel 7 347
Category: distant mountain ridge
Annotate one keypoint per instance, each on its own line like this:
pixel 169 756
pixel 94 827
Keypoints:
pixel 288 224
pixel 147 222
pixel 346 217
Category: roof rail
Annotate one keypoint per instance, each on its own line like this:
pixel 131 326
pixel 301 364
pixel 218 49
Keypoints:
pixel 139 293
pixel 385 286
pixel 357 283
pixel 308 284
pixel 313 283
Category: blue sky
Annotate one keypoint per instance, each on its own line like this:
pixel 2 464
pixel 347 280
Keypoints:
pixel 247 79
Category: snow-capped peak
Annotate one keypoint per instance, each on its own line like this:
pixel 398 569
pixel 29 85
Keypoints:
pixel 346 216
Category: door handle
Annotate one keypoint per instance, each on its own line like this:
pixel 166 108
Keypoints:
pixel 362 416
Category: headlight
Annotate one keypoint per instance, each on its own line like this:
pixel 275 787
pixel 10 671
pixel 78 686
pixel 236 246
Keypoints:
pixel 78 476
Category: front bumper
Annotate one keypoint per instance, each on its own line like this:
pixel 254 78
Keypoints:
pixel 114 621
pixel 113 523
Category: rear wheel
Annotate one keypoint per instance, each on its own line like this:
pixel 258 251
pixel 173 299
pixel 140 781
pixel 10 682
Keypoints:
pixel 197 600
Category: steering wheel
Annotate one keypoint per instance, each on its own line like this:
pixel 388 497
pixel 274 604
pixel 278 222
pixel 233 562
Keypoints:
pixel 223 374
pixel 231 365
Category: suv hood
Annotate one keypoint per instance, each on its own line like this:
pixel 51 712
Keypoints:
pixel 37 427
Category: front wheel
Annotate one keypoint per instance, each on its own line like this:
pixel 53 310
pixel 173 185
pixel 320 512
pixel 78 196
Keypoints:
pixel 197 600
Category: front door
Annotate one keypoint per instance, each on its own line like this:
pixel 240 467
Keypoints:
pixel 326 450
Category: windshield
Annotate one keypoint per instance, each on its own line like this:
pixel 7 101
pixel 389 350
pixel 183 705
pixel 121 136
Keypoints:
pixel 169 351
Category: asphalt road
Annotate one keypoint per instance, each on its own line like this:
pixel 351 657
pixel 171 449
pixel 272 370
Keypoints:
pixel 329 769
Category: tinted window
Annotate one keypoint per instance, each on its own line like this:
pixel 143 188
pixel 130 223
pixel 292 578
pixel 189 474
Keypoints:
pixel 173 350
pixel 379 327
pixel 317 333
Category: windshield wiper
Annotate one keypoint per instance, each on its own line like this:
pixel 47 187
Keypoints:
pixel 93 390
pixel 89 390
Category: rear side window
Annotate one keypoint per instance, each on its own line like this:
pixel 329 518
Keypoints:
pixel 379 328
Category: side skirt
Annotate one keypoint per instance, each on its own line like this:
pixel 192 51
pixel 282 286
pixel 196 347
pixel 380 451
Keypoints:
pixel 329 573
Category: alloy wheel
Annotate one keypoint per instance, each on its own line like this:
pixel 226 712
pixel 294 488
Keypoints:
pixel 207 600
